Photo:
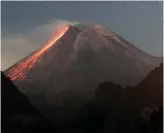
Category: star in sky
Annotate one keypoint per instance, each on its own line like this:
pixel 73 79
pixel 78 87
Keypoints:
pixel 119 5
pixel 9 6
pixel 41 13
pixel 141 7
pixel 22 21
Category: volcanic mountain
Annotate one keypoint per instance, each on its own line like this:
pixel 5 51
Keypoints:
pixel 68 69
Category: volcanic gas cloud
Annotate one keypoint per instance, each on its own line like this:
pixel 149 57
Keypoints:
pixel 19 71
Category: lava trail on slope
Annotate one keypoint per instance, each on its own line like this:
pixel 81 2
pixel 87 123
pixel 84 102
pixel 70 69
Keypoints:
pixel 19 71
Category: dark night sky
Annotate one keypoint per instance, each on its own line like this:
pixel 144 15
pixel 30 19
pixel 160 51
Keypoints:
pixel 27 25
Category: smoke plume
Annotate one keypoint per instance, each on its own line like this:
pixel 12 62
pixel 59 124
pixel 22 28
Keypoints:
pixel 15 47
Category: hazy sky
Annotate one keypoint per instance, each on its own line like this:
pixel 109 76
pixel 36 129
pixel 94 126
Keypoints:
pixel 28 25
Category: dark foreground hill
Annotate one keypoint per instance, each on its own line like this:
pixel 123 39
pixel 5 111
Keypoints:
pixel 113 109
pixel 18 115
pixel 124 110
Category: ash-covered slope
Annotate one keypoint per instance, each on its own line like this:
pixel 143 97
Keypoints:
pixel 70 70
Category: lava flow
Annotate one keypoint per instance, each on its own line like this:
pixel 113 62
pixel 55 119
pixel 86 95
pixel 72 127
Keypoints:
pixel 18 72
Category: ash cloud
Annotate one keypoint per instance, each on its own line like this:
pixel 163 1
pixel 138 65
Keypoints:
pixel 15 47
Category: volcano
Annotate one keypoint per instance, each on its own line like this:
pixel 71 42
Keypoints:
pixel 67 70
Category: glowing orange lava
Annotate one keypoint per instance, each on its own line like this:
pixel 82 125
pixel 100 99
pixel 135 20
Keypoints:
pixel 18 72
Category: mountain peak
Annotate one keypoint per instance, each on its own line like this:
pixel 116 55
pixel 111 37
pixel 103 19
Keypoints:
pixel 91 26
pixel 101 31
